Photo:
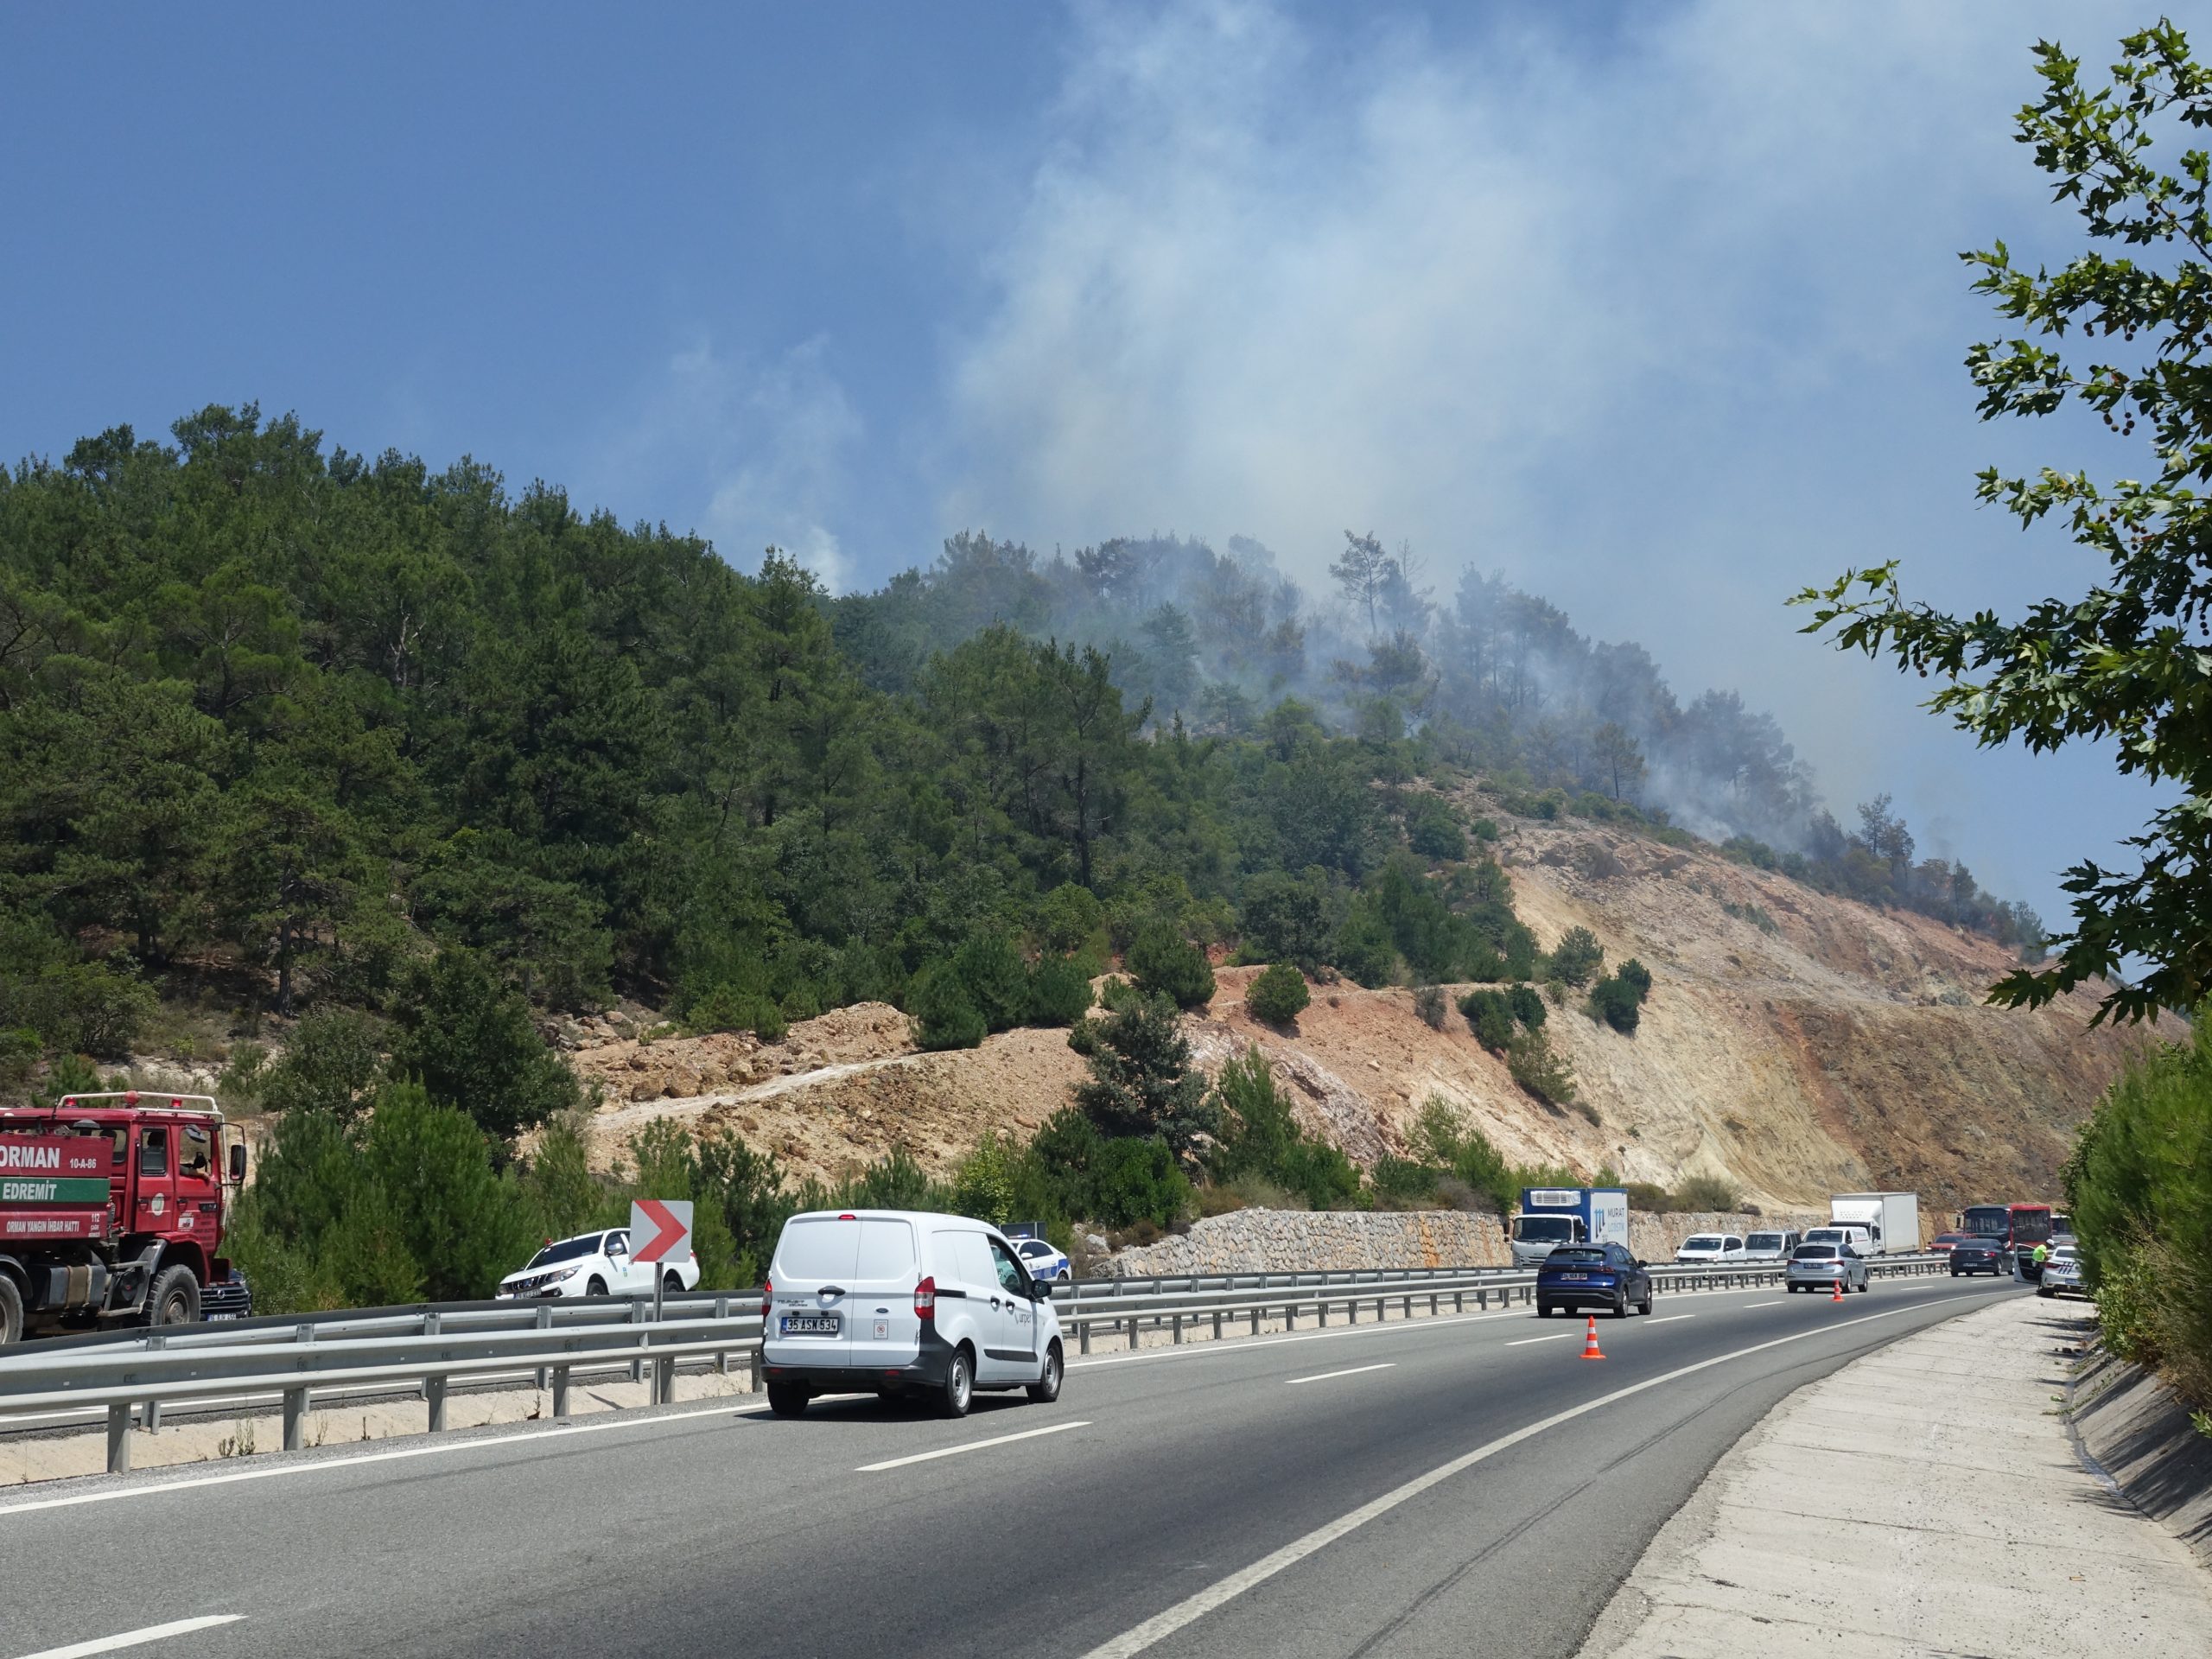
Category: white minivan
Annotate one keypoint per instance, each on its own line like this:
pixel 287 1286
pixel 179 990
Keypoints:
pixel 901 1302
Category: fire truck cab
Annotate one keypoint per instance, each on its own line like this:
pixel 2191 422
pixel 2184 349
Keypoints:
pixel 112 1211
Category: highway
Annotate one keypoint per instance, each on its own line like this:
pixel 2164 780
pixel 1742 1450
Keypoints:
pixel 1453 1485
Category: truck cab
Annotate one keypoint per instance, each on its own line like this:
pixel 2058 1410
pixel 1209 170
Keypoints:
pixel 111 1210
pixel 1552 1216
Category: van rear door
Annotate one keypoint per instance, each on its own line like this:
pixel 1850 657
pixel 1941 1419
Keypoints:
pixel 810 1279
pixel 885 1332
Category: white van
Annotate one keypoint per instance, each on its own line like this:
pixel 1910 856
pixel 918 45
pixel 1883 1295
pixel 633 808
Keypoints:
pixel 899 1302
pixel 1857 1236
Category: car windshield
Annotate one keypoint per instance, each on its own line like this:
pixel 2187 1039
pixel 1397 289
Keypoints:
pixel 567 1249
pixel 1703 1241
pixel 1573 1255
pixel 1544 1230
pixel 1764 1242
pixel 1814 1253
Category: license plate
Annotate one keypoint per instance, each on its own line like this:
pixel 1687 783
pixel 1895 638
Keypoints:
pixel 1575 1278
pixel 212 1316
pixel 812 1324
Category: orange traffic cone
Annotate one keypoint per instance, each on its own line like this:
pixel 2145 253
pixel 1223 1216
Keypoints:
pixel 1839 1289
pixel 1590 1343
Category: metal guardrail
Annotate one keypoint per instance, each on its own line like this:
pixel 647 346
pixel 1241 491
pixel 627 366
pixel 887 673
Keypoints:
pixel 431 1347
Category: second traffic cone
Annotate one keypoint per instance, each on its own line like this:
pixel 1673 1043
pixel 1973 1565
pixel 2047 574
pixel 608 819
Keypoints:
pixel 1838 1288
pixel 1590 1343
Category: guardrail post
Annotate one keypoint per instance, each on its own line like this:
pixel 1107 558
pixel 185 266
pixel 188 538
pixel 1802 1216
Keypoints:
pixel 664 1369
pixel 637 1312
pixel 757 1380
pixel 721 1312
pixel 1082 1336
pixel 1321 1311
pixel 295 1400
pixel 1133 1322
pixel 1178 1328
pixel 560 1391
pixel 156 1339
pixel 544 1323
pixel 1216 1325
pixel 118 1439
pixel 1255 1318
pixel 434 1388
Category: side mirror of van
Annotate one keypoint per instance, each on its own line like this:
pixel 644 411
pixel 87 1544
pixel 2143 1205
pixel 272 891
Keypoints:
pixel 237 1162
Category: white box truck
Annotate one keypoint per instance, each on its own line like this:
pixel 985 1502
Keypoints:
pixel 1567 1215
pixel 1893 1219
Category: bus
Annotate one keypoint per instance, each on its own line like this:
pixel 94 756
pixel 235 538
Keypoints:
pixel 2019 1227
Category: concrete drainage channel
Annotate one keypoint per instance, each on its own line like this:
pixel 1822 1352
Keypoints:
pixel 123 1381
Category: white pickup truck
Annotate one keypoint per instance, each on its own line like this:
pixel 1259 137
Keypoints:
pixel 594 1264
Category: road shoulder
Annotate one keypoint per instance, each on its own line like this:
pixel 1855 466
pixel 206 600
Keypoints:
pixel 1926 1499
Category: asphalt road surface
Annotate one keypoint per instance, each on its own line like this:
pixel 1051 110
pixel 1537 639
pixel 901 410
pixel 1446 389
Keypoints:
pixel 1457 1485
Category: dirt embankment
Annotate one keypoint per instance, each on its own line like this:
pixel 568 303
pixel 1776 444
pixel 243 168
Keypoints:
pixel 1796 1044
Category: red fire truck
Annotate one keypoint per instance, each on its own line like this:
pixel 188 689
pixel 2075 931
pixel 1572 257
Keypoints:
pixel 112 1211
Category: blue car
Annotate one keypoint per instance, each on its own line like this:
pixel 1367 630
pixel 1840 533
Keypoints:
pixel 1592 1275
pixel 1042 1260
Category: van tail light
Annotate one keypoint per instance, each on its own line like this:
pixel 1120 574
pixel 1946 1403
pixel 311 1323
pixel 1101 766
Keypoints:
pixel 767 1296
pixel 926 1300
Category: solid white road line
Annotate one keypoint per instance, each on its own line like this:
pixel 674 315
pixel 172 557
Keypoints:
pixel 1163 1624
pixel 319 1465
pixel 972 1445
pixel 134 1638
pixel 1556 1336
pixel 1388 1364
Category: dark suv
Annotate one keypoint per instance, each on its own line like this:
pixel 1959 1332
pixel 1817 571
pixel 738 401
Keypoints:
pixel 1592 1275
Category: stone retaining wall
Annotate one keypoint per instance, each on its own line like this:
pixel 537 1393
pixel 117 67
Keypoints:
pixel 1281 1240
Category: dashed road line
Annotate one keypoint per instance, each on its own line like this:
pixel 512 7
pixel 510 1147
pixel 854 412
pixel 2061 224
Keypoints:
pixel 1388 1364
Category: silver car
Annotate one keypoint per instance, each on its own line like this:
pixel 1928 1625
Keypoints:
pixel 1819 1266
pixel 2062 1273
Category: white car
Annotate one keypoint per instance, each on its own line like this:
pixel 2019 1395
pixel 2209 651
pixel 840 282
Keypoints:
pixel 1861 1239
pixel 595 1264
pixel 2062 1271
pixel 899 1302
pixel 1042 1260
pixel 1710 1251
pixel 1769 1249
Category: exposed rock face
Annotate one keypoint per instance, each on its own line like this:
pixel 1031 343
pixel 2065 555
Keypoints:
pixel 1794 1044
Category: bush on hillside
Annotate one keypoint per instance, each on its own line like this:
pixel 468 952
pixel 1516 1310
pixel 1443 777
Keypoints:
pixel 1260 1139
pixel 1069 917
pixel 1577 957
pixel 1363 948
pixel 943 1010
pixel 1278 995
pixel 1165 963
pixel 1490 1015
pixel 996 981
pixel 1431 1004
pixel 1142 1081
pixel 1634 973
pixel 1059 991
pixel 1531 1062
pixel 1527 1005
pixel 726 1007
pixel 1614 1002
pixel 1433 829
pixel 1713 1193
pixel 471 1041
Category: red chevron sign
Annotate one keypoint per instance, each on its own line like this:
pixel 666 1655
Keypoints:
pixel 660 1229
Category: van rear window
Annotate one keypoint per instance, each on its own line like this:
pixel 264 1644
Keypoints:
pixel 887 1250
pixel 817 1252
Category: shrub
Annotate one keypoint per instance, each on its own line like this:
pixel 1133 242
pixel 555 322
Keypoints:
pixel 1287 918
pixel 983 1186
pixel 331 1065
pixel 1648 1197
pixel 1259 1137
pixel 991 971
pixel 1363 948
pixel 1279 995
pixel 1577 957
pixel 1068 919
pixel 944 1013
pixel 1527 1005
pixel 726 1007
pixel 1489 1014
pixel 1484 828
pixel 1059 991
pixel 1429 1002
pixel 1433 829
pixel 1404 1183
pixel 1615 1002
pixel 1714 1192
pixel 1530 1061
pixel 1635 973
pixel 1165 963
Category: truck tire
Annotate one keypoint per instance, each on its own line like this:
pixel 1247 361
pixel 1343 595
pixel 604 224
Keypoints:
pixel 595 1286
pixel 959 1391
pixel 174 1298
pixel 11 1312
pixel 671 1283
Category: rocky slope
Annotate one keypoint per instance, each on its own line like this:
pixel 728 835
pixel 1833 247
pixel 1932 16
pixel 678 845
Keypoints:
pixel 1793 1043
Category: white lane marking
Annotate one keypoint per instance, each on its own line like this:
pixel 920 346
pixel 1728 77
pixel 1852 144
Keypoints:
pixel 1388 1364
pixel 971 1446
pixel 134 1638
pixel 281 1471
pixel 1556 1336
pixel 1191 1608
pixel 1671 1317
pixel 1748 1307
pixel 1251 1344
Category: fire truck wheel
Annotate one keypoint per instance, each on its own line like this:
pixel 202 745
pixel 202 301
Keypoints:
pixel 11 1311
pixel 174 1298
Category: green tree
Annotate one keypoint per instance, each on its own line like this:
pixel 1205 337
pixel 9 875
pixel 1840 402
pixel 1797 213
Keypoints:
pixel 1616 1002
pixel 1490 1016
pixel 944 1009
pixel 2123 664
pixel 463 1222
pixel 1059 991
pixel 1165 963
pixel 470 1041
pixel 1285 918
pixel 997 983
pixel 1142 1081
pixel 1528 1003
pixel 332 1064
pixel 1278 995
pixel 1577 957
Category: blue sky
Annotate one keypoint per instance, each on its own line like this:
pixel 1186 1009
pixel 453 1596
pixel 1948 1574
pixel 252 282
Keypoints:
pixel 1657 310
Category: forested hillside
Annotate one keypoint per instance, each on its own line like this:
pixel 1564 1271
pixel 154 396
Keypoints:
pixel 304 711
